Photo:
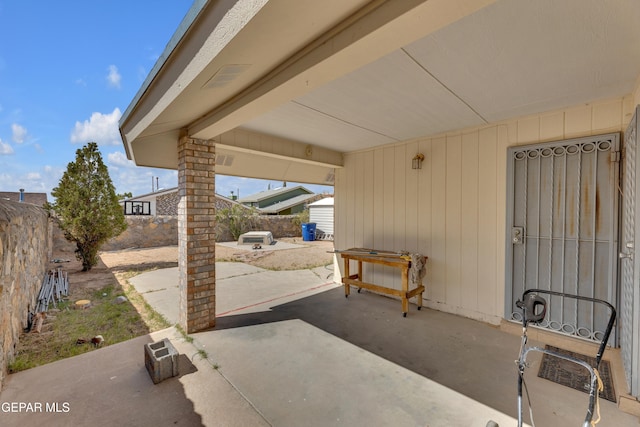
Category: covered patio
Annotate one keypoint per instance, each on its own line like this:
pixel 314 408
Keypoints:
pixel 349 92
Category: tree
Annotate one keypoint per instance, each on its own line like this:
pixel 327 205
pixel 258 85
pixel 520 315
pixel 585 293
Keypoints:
pixel 126 195
pixel 87 205
pixel 235 220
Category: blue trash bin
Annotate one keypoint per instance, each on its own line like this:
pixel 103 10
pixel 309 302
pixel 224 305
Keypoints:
pixel 309 231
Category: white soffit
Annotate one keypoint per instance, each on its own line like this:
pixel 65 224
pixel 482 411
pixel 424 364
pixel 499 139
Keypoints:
pixel 390 100
pixel 297 122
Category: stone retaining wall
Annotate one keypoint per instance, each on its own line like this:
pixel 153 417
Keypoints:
pixel 154 231
pixel 25 251
pixel 145 232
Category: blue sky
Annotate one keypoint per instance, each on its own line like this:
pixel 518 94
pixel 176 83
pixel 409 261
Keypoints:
pixel 68 70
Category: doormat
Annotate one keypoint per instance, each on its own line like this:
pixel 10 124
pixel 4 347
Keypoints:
pixel 573 375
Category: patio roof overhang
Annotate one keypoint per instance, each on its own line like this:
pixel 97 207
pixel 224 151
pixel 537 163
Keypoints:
pixel 286 88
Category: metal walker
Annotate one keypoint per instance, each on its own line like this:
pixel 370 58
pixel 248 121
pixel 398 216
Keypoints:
pixel 534 309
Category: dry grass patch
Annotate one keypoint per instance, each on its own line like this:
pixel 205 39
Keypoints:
pixel 65 326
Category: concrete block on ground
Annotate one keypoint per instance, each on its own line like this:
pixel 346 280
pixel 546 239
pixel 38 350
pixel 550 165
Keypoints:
pixel 161 360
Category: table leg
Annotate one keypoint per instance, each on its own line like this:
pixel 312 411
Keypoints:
pixel 347 288
pixel 420 296
pixel 405 290
pixel 359 273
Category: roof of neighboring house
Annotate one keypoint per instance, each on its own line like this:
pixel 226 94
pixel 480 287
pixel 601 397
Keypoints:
pixel 270 193
pixel 38 199
pixel 153 194
pixel 286 204
pixel 149 196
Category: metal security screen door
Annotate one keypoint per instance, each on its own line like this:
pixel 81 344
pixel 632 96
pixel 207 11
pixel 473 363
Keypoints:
pixel 562 211
pixel 629 309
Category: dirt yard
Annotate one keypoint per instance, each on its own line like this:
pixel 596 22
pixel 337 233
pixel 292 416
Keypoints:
pixel 312 254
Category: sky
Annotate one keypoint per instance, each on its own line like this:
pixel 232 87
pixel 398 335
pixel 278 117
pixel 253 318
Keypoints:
pixel 68 71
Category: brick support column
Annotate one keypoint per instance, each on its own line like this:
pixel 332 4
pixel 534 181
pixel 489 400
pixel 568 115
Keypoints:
pixel 196 237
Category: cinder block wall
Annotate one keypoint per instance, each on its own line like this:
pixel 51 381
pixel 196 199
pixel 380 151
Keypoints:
pixel 25 250
pixel 162 230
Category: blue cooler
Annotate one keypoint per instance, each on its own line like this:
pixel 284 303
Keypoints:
pixel 309 231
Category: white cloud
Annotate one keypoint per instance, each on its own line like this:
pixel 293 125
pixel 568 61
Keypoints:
pixel 114 77
pixel 19 133
pixel 5 148
pixel 119 159
pixel 100 128
pixel 33 176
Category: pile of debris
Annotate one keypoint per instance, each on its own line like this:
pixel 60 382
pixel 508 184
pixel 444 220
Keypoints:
pixel 55 286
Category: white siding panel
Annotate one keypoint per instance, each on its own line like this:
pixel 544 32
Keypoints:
pixel 350 205
pixel 502 142
pixel 378 204
pixel 424 229
pixel 453 236
pixel 488 222
pixel 359 214
pixel 411 194
pixel 399 199
pixel 390 210
pixel 341 196
pixel 368 191
pixel 469 221
pixel 437 290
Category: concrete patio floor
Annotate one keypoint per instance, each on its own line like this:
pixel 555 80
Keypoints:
pixel 291 350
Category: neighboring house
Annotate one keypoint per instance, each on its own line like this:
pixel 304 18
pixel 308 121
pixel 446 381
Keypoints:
pixel 487 135
pixel 321 213
pixel 162 202
pixel 38 199
pixel 280 201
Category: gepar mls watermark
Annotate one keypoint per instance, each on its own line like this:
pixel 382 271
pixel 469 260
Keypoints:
pixel 35 407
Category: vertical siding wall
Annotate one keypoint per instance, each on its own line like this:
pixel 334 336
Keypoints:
pixel 453 209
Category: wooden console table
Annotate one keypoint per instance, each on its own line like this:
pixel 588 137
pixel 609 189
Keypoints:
pixel 384 258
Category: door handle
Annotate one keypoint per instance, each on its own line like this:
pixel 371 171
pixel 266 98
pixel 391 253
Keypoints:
pixel 628 254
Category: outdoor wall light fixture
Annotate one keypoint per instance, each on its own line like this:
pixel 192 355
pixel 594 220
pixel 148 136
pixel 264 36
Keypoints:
pixel 416 162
